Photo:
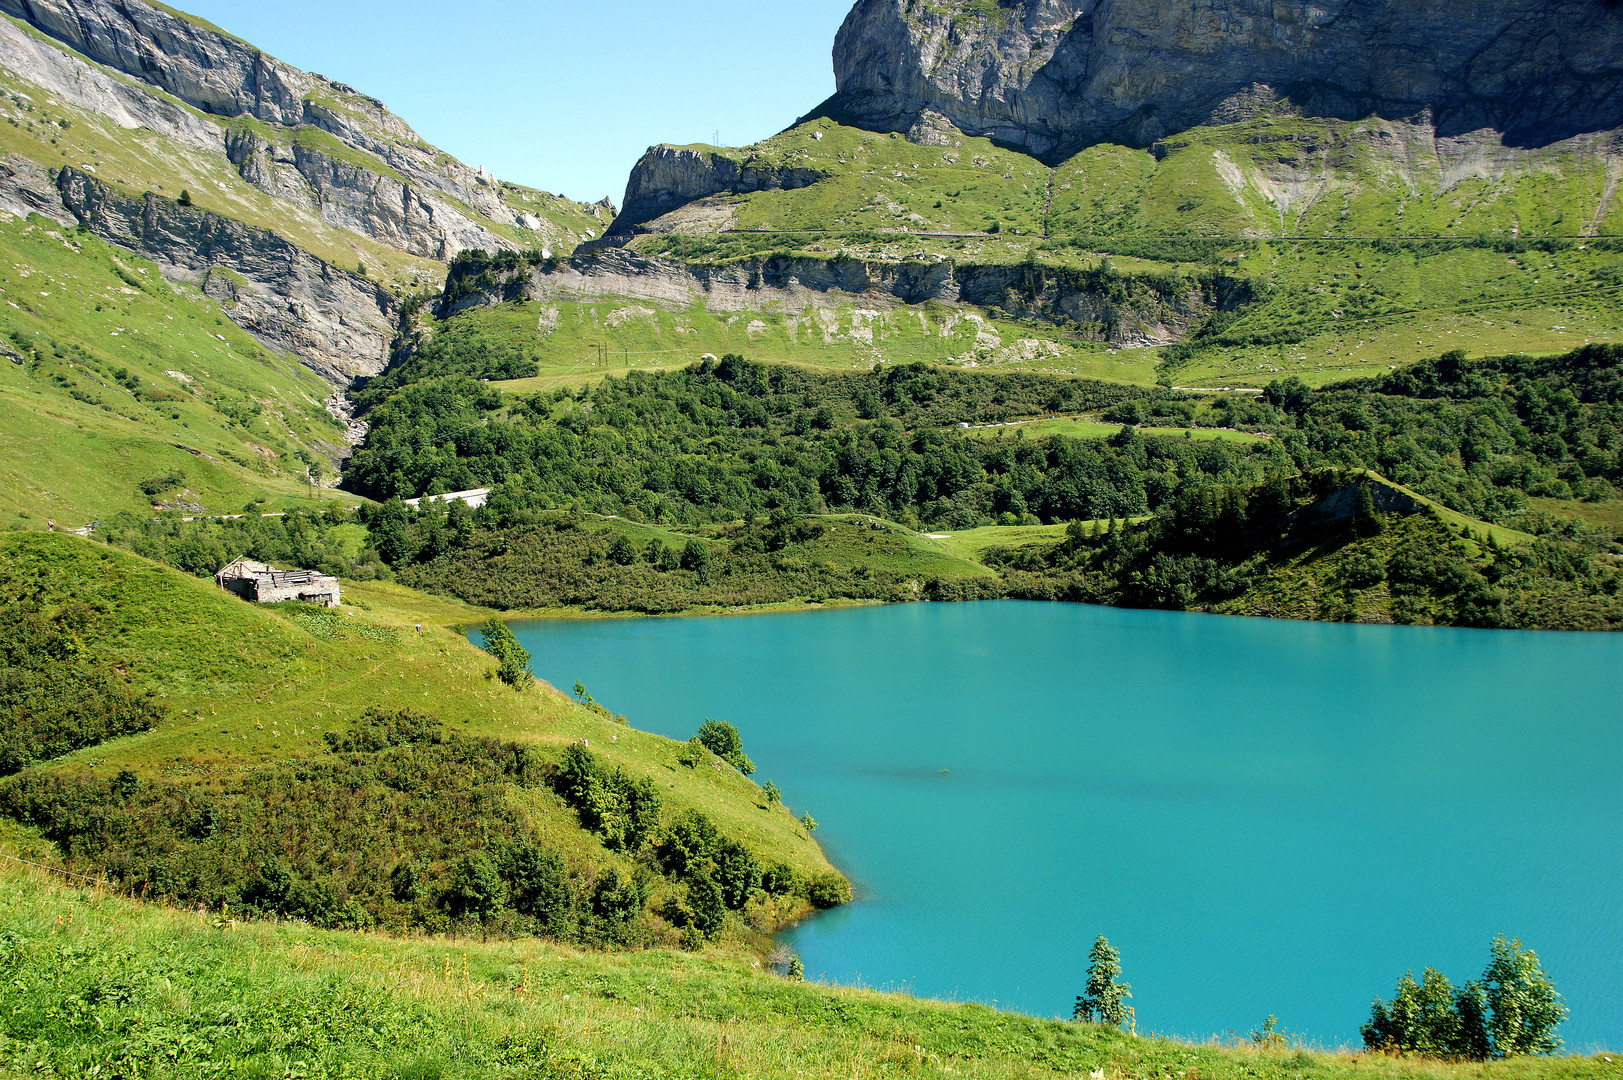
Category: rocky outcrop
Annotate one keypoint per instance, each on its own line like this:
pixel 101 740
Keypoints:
pixel 26 188
pixel 409 195
pixel 197 63
pixel 338 323
pixel 1096 305
pixel 73 81
pixel 668 177
pixel 1053 76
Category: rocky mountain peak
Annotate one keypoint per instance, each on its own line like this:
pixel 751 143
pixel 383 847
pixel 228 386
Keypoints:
pixel 1052 76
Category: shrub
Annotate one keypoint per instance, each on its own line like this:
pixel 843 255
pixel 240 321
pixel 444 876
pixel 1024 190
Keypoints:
pixel 623 809
pixel 722 739
pixel 157 485
pixel 514 660
pixel 622 551
pixel 55 697
pixel 707 911
pixel 828 890
pixel 476 888
pixel 693 753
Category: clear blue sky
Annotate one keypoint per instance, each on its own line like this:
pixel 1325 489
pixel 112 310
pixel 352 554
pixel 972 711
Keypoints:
pixel 560 96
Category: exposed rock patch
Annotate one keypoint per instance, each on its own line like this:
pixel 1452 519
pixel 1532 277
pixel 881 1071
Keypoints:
pixel 25 189
pixel 668 177
pixel 339 323
pixel 1122 311
pixel 380 180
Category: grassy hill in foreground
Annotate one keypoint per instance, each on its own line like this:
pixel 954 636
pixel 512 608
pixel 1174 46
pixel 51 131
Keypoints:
pixel 102 986
pixel 265 787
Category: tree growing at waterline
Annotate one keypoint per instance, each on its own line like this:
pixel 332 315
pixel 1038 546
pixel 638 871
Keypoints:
pixel 1105 1001
pixel 721 739
pixel 514 659
pixel 1513 1009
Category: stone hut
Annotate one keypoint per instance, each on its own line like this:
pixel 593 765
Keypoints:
pixel 264 584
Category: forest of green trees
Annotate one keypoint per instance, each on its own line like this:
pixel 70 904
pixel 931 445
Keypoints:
pixel 740 456
pixel 717 440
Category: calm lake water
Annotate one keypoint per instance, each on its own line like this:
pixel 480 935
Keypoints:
pixel 1264 817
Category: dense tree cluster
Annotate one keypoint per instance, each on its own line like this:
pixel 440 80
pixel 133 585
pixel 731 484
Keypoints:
pixel 558 558
pixel 333 542
pixel 719 440
pixel 1479 436
pixel 1213 543
pixel 720 874
pixel 1512 1009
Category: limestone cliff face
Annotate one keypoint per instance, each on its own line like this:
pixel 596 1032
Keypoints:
pixel 667 177
pixel 1053 76
pixel 339 323
pixel 412 199
pixel 26 188
pixel 1121 311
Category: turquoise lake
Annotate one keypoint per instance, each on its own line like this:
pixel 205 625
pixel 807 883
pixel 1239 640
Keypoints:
pixel 1263 816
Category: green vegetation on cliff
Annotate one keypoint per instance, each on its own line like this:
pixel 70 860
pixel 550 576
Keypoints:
pixel 1369 246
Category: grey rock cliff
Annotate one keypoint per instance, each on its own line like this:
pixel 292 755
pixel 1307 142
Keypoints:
pixel 667 177
pixel 339 323
pixel 1054 76
pixel 1119 311
pixel 26 188
pixel 417 200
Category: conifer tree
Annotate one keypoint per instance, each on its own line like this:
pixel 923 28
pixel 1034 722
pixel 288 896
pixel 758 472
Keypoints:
pixel 1105 1001
pixel 1364 516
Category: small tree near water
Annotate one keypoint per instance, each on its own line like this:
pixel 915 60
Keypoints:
pixel 1105 1001
pixel 1524 1009
pixel 721 738
pixel 513 658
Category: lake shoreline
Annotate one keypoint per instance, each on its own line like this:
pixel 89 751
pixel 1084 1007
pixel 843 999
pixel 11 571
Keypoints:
pixel 972 774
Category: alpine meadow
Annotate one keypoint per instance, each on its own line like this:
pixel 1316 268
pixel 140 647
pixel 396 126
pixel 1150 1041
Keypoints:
pixel 357 507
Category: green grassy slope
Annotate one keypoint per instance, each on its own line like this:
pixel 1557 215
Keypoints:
pixel 572 344
pixel 187 995
pixel 247 688
pixel 1335 218
pixel 114 376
